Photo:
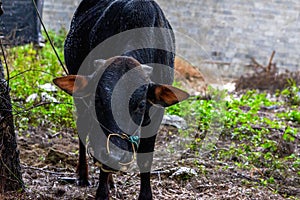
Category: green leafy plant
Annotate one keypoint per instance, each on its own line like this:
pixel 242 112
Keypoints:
pixel 30 69
pixel 292 93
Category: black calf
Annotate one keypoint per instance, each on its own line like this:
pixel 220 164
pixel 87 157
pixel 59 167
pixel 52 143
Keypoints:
pixel 114 98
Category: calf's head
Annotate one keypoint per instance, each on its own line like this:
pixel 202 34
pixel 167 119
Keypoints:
pixel 122 98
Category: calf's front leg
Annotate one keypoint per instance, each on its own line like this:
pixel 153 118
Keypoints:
pixel 83 130
pixel 103 188
pixel 82 167
pixel 146 150
pixel 144 161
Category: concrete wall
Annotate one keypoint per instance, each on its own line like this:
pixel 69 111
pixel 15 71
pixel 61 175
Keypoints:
pixel 233 31
pixel 227 32
pixel 57 14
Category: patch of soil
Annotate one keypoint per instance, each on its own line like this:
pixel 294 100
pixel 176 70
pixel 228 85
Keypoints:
pixel 48 159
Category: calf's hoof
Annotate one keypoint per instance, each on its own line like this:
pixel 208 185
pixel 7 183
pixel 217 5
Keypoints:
pixel 82 182
pixel 102 196
pixel 145 197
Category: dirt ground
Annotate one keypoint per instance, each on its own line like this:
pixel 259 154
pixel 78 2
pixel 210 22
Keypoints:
pixel 47 159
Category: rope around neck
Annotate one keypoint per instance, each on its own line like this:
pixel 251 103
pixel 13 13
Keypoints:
pixel 134 140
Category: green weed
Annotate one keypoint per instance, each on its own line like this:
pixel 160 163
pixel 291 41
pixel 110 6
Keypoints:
pixel 30 68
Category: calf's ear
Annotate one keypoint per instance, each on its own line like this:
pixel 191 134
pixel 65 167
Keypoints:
pixel 165 95
pixel 71 83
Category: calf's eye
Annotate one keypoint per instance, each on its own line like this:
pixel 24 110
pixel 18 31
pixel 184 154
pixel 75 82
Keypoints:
pixel 142 105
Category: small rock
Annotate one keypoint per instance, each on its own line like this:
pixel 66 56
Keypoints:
pixel 32 97
pixel 46 97
pixel 174 120
pixel 184 173
pixel 48 87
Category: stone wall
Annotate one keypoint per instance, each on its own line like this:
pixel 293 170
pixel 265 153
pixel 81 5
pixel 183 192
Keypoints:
pixel 226 32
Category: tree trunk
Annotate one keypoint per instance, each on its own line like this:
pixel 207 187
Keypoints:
pixel 10 170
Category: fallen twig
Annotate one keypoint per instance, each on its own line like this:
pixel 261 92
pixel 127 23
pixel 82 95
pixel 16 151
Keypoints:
pixel 256 64
pixel 46 171
pixel 208 186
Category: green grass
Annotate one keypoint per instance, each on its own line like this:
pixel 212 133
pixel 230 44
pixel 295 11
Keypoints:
pixel 30 68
